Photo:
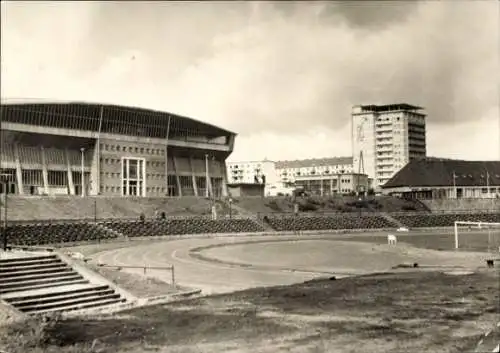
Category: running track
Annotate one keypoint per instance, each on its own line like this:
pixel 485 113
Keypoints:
pixel 191 272
pixel 215 277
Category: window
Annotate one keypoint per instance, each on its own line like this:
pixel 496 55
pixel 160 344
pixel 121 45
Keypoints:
pixel 133 176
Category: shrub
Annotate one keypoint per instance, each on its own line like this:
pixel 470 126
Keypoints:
pixel 28 334
pixel 307 207
pixel 273 205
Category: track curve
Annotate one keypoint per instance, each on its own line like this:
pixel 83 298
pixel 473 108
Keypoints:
pixel 192 272
pixel 215 274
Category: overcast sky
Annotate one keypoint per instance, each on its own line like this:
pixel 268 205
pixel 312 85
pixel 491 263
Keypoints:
pixel 284 76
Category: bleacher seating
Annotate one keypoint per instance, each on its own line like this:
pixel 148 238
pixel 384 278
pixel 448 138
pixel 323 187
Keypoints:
pixel 445 219
pixel 51 233
pixel 183 226
pixel 36 234
pixel 54 233
pixel 334 222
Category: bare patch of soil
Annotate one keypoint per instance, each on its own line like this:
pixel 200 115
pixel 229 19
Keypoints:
pixel 409 311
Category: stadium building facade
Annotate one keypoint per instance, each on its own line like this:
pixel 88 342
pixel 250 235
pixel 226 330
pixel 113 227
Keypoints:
pixel 99 149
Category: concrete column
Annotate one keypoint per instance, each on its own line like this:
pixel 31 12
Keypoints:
pixel 19 172
pixel 95 176
pixel 193 176
pixel 225 192
pixel 71 184
pixel 209 180
pixel 45 173
pixel 174 165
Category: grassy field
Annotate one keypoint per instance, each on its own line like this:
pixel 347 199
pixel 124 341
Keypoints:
pixel 468 241
pixel 405 312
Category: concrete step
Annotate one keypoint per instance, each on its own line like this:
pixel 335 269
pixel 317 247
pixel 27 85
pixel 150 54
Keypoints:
pixel 75 301
pixel 29 263
pixel 38 276
pixel 87 292
pixel 96 304
pixel 47 292
pixel 47 266
pixel 45 286
pixel 32 272
pixel 19 286
pixel 27 259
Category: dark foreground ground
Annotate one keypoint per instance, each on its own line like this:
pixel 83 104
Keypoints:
pixel 404 312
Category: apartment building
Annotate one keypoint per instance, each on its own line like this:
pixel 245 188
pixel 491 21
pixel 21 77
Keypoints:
pixel 385 138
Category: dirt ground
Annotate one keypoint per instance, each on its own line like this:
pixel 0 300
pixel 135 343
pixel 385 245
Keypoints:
pixel 402 312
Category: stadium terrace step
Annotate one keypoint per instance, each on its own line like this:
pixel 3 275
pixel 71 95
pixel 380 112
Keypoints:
pixel 50 292
pixel 95 304
pixel 16 261
pixel 39 284
pixel 30 276
pixel 31 286
pixel 21 264
pixel 33 272
pixel 62 296
pixel 71 301
pixel 27 283
pixel 46 267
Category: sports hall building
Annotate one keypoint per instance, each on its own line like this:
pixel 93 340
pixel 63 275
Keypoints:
pixel 439 179
pixel 46 148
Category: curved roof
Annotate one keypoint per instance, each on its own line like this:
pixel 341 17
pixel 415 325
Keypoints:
pixel 115 118
pixel 441 172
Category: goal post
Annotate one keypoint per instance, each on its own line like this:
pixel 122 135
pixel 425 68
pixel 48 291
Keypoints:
pixel 488 233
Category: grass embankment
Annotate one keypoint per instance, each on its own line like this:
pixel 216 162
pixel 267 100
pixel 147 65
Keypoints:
pixel 404 312
pixel 135 283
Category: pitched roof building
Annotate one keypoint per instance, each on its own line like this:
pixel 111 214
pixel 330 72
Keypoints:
pixel 445 178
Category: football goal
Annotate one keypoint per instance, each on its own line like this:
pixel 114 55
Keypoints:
pixel 480 236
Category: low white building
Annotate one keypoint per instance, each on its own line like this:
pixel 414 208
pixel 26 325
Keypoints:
pixel 289 171
pixel 333 184
pixel 280 177
pixel 257 172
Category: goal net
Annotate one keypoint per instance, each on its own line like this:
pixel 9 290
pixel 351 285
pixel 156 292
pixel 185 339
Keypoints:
pixel 478 236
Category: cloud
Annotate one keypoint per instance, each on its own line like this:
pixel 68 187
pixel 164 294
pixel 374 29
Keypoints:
pixel 262 69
